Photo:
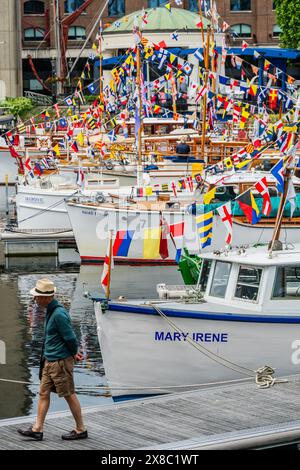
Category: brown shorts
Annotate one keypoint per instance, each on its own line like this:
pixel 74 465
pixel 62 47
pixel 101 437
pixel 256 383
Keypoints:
pixel 58 377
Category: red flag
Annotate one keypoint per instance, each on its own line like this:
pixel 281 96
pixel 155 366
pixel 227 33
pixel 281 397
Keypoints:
pixel 56 107
pixel 162 44
pixel 245 45
pixel 226 217
pixel 273 99
pixel 20 164
pixel 262 188
pixel 174 188
pixel 74 146
pixel 13 152
pixel 163 246
pixel 107 267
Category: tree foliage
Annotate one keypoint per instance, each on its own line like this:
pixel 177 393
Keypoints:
pixel 288 18
pixel 17 106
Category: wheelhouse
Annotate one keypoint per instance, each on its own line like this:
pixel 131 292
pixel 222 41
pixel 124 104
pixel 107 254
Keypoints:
pixel 252 279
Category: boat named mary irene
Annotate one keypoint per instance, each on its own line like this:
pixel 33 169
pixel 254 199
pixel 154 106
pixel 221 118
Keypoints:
pixel 243 315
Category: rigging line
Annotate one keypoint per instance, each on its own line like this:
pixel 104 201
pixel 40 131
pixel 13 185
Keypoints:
pixel 88 38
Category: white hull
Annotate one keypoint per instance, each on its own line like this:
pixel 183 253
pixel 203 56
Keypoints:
pixel 41 210
pixel 141 355
pixel 45 210
pixel 91 226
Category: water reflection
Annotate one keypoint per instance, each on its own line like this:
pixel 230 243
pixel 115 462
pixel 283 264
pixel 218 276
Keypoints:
pixel 22 324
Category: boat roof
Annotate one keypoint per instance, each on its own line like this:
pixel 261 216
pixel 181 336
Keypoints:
pixel 258 256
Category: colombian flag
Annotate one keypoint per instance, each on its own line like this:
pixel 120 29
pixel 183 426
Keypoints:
pixel 122 242
pixel 248 205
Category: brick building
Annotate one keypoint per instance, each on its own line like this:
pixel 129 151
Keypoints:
pixel 251 20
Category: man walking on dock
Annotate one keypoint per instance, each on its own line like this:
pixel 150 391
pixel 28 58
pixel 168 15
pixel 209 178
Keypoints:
pixel 60 349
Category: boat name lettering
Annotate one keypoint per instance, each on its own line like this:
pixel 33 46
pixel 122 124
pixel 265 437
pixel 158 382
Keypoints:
pixel 197 337
pixel 86 212
pixel 34 199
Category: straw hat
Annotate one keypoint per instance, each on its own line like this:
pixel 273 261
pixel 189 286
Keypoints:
pixel 43 288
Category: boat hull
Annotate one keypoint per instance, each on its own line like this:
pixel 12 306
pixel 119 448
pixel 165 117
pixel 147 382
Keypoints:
pixel 143 355
pixel 91 226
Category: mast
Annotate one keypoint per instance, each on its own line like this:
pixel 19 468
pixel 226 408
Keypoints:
pixel 56 12
pixel 101 98
pixel 140 106
pixel 279 217
pixel 206 63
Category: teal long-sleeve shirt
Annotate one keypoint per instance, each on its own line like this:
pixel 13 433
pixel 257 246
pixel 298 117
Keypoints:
pixel 60 339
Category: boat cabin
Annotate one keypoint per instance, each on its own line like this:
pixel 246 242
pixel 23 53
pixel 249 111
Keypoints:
pixel 253 279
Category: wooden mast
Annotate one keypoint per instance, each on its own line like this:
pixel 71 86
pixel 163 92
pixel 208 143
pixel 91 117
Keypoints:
pixel 100 63
pixel 206 65
pixel 140 109
pixel 279 217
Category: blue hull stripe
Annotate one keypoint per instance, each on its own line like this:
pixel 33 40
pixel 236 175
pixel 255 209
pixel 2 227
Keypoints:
pixel 234 317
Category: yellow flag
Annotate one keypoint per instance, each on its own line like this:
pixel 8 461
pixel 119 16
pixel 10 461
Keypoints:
pixel 56 150
pixel 209 196
pixel 243 164
pixel 228 163
pixel 149 191
pixel 80 139
pixel 151 243
pixel 197 168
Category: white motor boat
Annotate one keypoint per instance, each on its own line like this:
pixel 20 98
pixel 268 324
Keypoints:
pixel 243 315
pixel 92 223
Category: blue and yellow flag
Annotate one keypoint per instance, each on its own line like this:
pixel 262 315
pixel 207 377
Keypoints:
pixel 204 227
pixel 248 205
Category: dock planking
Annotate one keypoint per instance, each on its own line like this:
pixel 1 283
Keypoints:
pixel 218 417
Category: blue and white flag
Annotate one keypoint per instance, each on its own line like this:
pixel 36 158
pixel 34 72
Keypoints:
pixel 198 55
pixel 112 136
pixel 278 173
pixel 68 100
pixel 92 88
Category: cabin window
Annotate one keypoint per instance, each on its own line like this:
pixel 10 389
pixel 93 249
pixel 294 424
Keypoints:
pixel 220 279
pixel 287 283
pixel 204 274
pixel 248 283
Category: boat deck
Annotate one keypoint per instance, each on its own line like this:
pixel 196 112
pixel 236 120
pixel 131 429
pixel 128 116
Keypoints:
pixel 238 415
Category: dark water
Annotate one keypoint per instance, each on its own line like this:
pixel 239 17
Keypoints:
pixel 21 324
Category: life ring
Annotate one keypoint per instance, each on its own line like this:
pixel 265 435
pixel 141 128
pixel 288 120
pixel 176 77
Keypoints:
pixel 109 165
pixel 100 198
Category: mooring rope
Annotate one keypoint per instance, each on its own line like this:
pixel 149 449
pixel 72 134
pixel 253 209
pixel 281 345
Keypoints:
pixel 263 375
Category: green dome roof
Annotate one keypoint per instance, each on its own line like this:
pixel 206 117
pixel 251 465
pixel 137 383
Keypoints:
pixel 159 19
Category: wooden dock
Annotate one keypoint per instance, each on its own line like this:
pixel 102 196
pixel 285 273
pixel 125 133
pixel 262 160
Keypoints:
pixel 231 416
